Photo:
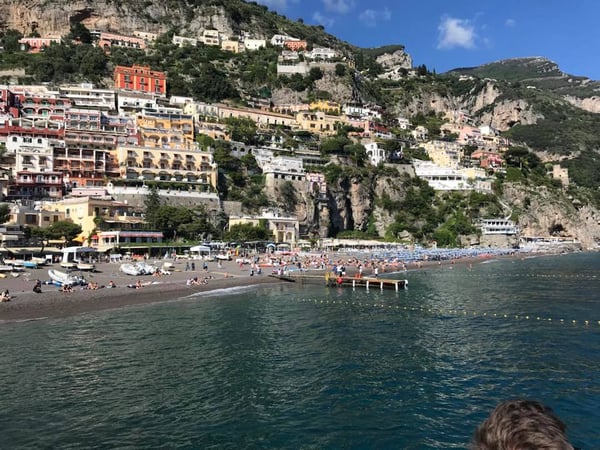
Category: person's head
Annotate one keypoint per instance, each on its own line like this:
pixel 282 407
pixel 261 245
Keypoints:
pixel 521 425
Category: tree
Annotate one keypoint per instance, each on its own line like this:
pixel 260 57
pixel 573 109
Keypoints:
pixel 247 232
pixel 79 32
pixel 4 213
pixel 10 41
pixel 340 70
pixel 152 203
pixel 241 129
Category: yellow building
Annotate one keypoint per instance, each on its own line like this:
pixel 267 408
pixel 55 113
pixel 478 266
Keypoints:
pixel 229 45
pixel 317 122
pixel 83 210
pixel 260 117
pixel 326 106
pixel 284 228
pixel 164 164
pixel 166 129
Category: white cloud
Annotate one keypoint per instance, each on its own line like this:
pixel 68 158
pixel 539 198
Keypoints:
pixel 370 17
pixel 338 6
pixel 510 23
pixel 321 19
pixel 456 33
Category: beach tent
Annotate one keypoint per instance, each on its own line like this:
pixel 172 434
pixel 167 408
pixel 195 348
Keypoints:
pixel 71 254
pixel 200 250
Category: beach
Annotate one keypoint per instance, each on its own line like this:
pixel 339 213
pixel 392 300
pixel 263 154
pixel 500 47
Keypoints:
pixel 52 303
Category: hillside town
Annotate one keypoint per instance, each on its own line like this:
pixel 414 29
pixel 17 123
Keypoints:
pixel 76 152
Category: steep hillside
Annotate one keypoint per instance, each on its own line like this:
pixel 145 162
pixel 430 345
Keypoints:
pixel 186 17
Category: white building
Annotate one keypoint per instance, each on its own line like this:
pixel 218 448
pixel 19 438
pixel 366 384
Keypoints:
pixel 34 154
pixel 321 53
pixel 403 123
pixel 254 44
pixel 498 226
pixel 375 153
pixel 279 39
pixel 182 40
pixel 128 101
pixel 448 179
pixel 86 96
pixel 211 37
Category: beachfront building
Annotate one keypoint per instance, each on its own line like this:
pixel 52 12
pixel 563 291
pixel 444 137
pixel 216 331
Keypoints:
pixel 146 163
pixel 35 185
pixel 90 212
pixel 104 241
pixel 283 228
pixel 498 226
pixel 129 102
pixel 140 79
pixel 38 102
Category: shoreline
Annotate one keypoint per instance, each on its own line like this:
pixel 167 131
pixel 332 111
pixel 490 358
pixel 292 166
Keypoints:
pixel 26 305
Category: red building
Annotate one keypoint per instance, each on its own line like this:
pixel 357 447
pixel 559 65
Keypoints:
pixel 141 79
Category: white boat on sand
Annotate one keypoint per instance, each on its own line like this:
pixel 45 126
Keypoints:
pixel 63 278
pixel 130 269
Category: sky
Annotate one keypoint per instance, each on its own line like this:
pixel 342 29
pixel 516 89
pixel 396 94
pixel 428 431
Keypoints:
pixel 446 34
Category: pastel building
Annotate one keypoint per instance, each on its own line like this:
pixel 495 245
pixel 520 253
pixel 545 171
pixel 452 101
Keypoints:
pixel 37 44
pixel 317 122
pixel 108 40
pixel 140 79
pixel 139 163
pixel 166 128
pixel 283 228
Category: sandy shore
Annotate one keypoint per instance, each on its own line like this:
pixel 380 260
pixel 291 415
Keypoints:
pixel 51 303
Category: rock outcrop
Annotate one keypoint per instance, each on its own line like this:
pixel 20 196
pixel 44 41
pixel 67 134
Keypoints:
pixel 394 64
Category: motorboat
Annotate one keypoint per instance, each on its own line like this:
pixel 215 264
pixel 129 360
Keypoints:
pixel 68 265
pixel 39 261
pixel 30 264
pixel 130 269
pixel 63 278
pixel 145 268
pixel 86 267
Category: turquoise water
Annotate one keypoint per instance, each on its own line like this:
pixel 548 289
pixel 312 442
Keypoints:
pixel 291 367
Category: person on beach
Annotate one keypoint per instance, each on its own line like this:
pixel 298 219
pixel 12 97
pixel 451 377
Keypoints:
pixel 37 288
pixel 521 425
pixel 5 297
pixel 138 284
pixel 111 284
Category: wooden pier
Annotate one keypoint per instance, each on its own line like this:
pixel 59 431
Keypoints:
pixel 332 280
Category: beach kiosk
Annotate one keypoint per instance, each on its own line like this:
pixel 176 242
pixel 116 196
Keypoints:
pixel 200 252
pixel 76 255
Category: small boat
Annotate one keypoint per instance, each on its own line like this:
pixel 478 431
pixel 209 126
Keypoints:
pixel 63 278
pixel 145 268
pixel 39 261
pixel 6 268
pixel 86 267
pixel 130 269
pixel 30 264
pixel 68 265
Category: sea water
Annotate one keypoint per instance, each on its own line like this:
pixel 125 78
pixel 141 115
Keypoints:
pixel 313 367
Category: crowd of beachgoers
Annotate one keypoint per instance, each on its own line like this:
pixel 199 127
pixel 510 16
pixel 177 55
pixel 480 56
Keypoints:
pixel 34 289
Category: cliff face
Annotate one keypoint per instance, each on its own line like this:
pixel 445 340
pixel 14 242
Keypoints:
pixel 53 18
pixel 542 213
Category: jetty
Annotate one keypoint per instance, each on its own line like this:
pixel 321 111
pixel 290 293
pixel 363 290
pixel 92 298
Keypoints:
pixel 332 280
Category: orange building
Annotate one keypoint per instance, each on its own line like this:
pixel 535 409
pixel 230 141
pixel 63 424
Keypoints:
pixel 295 45
pixel 141 79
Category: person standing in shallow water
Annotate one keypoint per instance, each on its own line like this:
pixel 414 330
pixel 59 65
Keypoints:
pixel 521 425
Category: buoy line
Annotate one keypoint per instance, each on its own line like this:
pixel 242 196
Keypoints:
pixel 456 312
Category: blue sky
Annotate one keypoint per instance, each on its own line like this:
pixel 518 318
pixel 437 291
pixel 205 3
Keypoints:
pixel 445 34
